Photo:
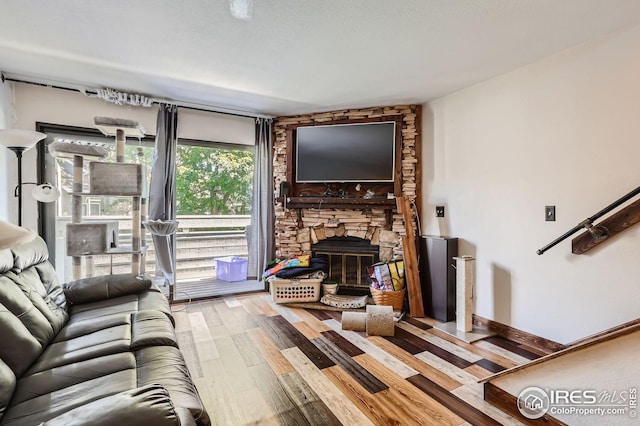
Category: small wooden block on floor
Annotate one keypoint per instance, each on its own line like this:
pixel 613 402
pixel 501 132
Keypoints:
pixel 380 320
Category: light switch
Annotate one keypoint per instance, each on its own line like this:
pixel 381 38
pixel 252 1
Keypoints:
pixel 550 213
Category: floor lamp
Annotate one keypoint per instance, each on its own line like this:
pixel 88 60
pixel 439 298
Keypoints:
pixel 20 141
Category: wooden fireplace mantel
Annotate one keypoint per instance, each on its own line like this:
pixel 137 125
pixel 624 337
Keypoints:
pixel 356 203
pixel 339 202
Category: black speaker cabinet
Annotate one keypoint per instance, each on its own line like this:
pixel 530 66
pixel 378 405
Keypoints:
pixel 438 277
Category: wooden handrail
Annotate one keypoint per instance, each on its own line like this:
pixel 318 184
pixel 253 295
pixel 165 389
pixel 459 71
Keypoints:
pixel 598 232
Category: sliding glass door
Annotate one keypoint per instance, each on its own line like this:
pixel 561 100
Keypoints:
pixel 214 190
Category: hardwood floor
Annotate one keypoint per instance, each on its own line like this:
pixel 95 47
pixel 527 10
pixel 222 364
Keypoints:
pixel 258 363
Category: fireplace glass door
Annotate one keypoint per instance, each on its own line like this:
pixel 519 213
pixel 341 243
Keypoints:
pixel 348 269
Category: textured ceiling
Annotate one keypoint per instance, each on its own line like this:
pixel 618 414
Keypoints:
pixel 293 56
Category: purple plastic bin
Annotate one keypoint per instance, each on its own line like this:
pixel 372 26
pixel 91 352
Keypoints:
pixel 231 268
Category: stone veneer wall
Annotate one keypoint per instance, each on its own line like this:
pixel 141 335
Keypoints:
pixel 293 238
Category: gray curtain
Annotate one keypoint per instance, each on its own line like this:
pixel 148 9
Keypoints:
pixel 260 234
pixel 162 193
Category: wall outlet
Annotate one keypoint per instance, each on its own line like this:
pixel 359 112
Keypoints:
pixel 550 213
pixel 439 211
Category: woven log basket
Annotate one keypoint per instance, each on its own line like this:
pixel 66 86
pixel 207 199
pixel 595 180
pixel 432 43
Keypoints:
pixel 388 298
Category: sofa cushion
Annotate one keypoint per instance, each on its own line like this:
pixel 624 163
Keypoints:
pixel 105 335
pixel 33 385
pixel 43 298
pixel 18 347
pixel 7 386
pixel 51 380
pixel 145 301
pixel 77 327
pixel 154 300
pixel 105 287
pixel 107 341
pixel 6 260
pixel 18 301
pixel 51 284
pixel 29 254
pixel 31 290
pixel 47 406
pixel 152 328
pixel 149 405
pixel 51 393
pixel 165 365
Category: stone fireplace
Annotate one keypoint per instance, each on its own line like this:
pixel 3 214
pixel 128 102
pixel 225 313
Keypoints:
pixel 372 229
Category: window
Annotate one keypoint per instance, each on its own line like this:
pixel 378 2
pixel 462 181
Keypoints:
pixel 54 217
pixel 214 186
pixel 214 196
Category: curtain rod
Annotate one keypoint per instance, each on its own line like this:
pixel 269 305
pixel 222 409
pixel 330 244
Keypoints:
pixel 181 104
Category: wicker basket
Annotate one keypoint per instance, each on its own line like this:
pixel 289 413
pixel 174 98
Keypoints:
pixel 295 290
pixel 388 298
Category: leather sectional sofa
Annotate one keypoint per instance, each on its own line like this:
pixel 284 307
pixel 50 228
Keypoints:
pixel 98 351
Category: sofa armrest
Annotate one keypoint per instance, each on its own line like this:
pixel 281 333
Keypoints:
pixel 147 405
pixel 105 287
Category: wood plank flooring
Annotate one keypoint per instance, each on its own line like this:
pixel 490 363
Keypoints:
pixel 258 363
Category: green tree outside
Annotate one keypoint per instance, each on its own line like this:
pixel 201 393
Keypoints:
pixel 213 181
pixel 209 180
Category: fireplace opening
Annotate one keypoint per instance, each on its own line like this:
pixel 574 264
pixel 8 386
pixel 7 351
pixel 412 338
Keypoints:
pixel 348 259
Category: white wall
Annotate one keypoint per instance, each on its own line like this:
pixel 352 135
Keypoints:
pixel 7 158
pixel 566 132
pixel 41 104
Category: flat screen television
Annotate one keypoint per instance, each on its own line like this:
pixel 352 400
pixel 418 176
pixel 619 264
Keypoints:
pixel 363 152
